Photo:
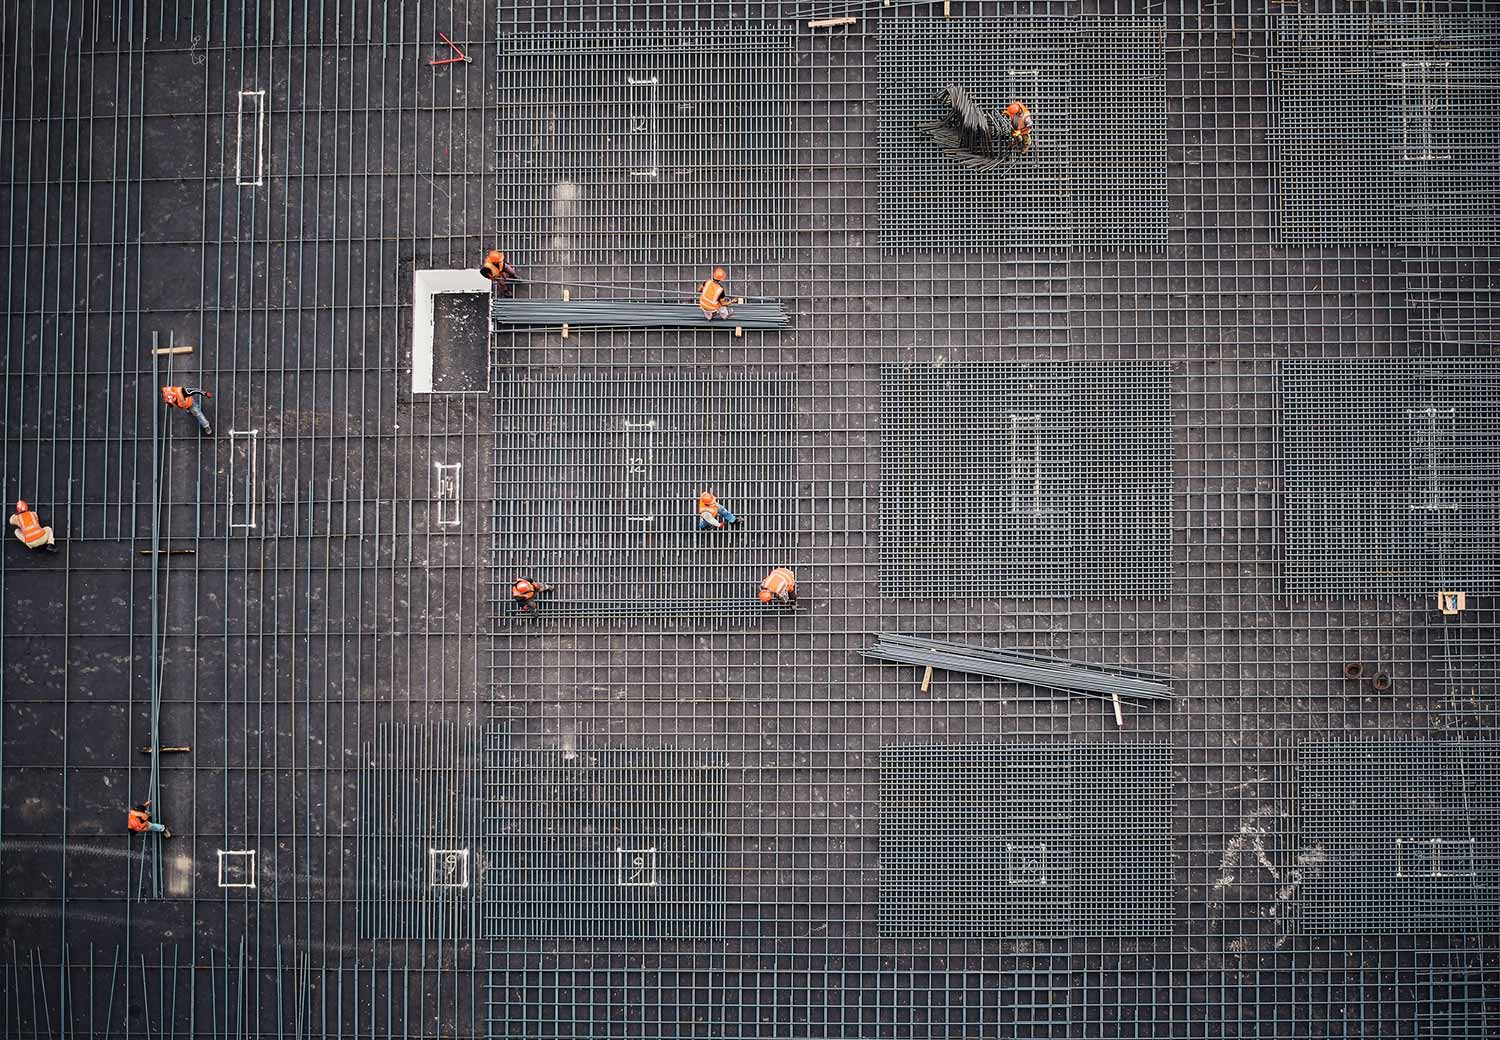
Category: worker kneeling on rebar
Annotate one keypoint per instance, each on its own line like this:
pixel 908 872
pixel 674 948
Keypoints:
pixel 525 591
pixel 712 298
pixel 780 587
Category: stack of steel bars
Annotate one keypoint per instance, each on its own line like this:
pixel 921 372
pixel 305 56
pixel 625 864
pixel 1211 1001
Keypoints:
pixel 1054 673
pixel 637 313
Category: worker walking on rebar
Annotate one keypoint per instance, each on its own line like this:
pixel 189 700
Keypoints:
pixel 712 296
pixel 1020 125
pixel 185 397
pixel 525 591
pixel 713 513
pixel 29 530
pixel 498 270
pixel 780 587
pixel 139 821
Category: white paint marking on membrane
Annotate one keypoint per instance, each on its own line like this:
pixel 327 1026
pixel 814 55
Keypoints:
pixel 250 140
pixel 243 494
pixel 425 286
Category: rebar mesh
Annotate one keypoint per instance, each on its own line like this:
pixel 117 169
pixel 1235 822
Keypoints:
pixel 1382 126
pixel 1097 172
pixel 1390 475
pixel 598 473
pixel 1398 836
pixel 1025 480
pixel 1025 840
pixel 607 844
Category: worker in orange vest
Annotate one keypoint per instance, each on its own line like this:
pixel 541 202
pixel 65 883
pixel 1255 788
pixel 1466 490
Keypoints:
pixel 139 821
pixel 711 296
pixel 29 529
pixel 497 270
pixel 713 513
pixel 525 591
pixel 1020 125
pixel 780 585
pixel 184 397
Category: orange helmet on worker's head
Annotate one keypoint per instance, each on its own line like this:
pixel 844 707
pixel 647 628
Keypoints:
pixel 21 505
pixel 1013 109
pixel 720 274
pixel 706 499
pixel 765 595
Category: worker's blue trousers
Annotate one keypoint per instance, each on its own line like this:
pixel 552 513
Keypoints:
pixel 725 517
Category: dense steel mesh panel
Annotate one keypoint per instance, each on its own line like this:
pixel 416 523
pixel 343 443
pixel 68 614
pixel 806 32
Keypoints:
pixel 1025 480
pixel 1398 836
pixel 1392 483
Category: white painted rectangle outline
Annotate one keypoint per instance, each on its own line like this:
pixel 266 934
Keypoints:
pixel 249 868
pixel 426 285
pixel 248 498
pixel 643 125
pixel 449 484
pixel 640 442
pixel 252 123
pixel 454 862
pixel 638 871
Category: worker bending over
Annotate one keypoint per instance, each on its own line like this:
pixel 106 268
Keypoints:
pixel 780 587
pixel 713 300
pixel 139 821
pixel 1020 125
pixel 525 591
pixel 711 513
pixel 184 397
pixel 29 530
pixel 499 271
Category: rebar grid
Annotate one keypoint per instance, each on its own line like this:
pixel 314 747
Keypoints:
pixel 361 609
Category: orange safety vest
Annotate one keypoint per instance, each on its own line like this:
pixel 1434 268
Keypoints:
pixel 780 582
pixel 1023 122
pixel 523 589
pixel 176 395
pixel 137 821
pixel 494 265
pixel 711 297
pixel 31 529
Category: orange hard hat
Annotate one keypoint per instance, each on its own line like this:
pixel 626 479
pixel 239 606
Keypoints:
pixel 707 498
pixel 21 505
pixel 1013 109
pixel 765 595
pixel 720 274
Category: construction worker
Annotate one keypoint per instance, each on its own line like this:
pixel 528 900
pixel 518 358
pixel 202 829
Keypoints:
pixel 497 270
pixel 525 590
pixel 1020 125
pixel 29 530
pixel 712 513
pixel 711 296
pixel 184 397
pixel 781 586
pixel 139 821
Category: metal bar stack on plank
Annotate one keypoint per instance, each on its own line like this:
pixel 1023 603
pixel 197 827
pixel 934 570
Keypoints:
pixel 1049 672
pixel 632 314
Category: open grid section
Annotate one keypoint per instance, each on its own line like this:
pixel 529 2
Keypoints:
pixel 1043 479
pixel 1025 840
pixel 1384 127
pixel 1398 836
pixel 1097 174
pixel 607 843
pixel 1390 475
pixel 640 145
pixel 597 476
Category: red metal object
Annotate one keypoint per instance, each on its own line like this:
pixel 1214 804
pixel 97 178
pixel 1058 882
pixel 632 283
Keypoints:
pixel 458 54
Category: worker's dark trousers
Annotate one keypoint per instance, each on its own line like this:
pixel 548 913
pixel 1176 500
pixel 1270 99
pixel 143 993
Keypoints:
pixel 197 413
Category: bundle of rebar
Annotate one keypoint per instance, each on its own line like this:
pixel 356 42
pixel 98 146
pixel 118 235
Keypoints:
pixel 634 313
pixel 1053 673
pixel 969 134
